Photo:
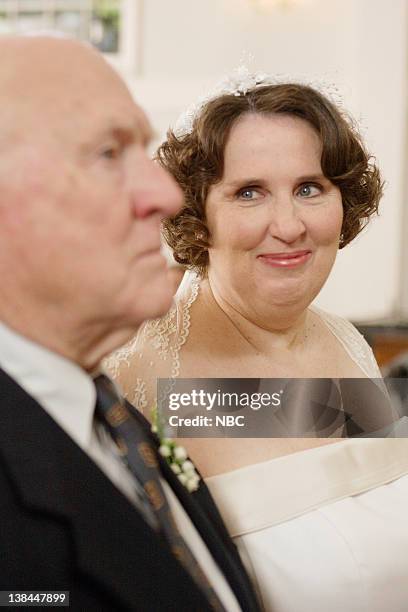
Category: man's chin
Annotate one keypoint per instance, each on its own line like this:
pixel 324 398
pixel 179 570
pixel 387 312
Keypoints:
pixel 157 303
pixel 163 308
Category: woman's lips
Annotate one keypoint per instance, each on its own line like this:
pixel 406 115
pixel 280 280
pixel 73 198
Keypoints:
pixel 292 259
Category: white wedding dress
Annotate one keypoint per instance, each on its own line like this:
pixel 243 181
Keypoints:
pixel 322 530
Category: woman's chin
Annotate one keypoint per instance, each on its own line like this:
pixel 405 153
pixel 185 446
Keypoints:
pixel 293 293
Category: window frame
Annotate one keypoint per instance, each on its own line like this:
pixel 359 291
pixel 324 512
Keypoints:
pixel 127 59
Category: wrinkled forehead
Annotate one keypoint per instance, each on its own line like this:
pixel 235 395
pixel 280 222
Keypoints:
pixel 58 85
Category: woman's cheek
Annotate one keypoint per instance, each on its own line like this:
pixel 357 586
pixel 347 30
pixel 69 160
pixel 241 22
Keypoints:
pixel 325 227
pixel 249 232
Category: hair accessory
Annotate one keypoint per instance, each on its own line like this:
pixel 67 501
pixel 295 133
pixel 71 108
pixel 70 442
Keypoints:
pixel 199 236
pixel 239 82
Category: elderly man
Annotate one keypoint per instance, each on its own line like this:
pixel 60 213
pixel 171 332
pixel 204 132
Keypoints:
pixel 81 268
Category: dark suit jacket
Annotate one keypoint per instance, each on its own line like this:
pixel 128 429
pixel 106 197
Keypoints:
pixel 65 526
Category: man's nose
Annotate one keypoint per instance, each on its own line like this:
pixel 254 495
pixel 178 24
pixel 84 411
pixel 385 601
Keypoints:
pixel 156 191
pixel 286 222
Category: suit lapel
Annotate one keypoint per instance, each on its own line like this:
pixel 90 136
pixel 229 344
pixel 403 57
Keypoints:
pixel 223 550
pixel 208 522
pixel 113 544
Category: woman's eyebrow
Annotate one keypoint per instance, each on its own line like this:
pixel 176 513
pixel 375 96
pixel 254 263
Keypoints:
pixel 251 180
pixel 312 177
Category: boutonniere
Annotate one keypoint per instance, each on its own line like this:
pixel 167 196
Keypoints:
pixel 176 456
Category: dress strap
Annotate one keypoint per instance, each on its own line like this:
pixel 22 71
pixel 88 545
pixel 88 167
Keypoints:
pixel 352 341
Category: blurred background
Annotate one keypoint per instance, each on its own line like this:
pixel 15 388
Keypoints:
pixel 172 51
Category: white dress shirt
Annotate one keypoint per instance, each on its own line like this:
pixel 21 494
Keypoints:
pixel 68 395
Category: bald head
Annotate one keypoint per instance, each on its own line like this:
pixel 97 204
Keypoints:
pixel 41 78
pixel 51 90
pixel 80 201
pixel 25 59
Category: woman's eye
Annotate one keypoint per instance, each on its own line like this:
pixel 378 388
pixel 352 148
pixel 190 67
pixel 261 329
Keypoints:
pixel 248 194
pixel 309 190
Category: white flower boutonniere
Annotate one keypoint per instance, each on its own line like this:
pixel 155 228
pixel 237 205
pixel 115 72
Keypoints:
pixel 176 457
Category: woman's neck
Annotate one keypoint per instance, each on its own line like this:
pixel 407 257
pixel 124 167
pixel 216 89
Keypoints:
pixel 287 326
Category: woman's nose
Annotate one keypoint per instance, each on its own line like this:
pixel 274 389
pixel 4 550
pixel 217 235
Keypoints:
pixel 286 222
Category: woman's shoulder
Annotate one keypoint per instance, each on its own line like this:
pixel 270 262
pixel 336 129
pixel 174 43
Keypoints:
pixel 351 339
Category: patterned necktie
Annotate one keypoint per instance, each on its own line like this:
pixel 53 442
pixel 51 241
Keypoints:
pixel 139 456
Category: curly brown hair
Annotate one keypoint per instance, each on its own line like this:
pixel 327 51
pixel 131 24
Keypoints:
pixel 196 161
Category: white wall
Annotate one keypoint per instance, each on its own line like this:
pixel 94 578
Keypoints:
pixel 358 45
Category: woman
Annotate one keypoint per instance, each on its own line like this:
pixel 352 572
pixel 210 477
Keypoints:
pixel 276 181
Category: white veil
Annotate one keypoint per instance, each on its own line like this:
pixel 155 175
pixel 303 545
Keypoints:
pixel 155 350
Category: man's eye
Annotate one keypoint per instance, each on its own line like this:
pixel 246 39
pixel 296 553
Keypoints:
pixel 309 190
pixel 111 152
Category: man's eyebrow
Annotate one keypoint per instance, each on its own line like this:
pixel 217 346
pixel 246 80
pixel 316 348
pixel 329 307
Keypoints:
pixel 127 132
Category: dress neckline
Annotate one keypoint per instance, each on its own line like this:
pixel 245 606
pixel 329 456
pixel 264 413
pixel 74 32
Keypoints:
pixel 260 495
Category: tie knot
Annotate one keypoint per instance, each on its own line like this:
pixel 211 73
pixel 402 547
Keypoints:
pixel 109 404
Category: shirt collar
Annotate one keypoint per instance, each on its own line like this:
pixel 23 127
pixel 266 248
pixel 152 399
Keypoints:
pixel 59 385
